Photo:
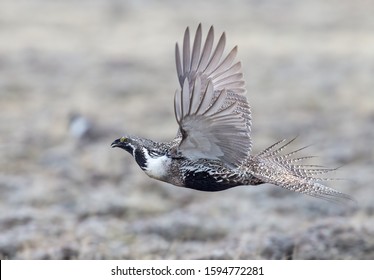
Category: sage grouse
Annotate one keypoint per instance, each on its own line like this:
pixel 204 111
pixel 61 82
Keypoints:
pixel 212 149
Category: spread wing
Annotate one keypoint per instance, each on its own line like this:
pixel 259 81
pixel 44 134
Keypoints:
pixel 211 108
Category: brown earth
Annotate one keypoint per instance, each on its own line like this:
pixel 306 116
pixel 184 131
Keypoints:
pixel 309 67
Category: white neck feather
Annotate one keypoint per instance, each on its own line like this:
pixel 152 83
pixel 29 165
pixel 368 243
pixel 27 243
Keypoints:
pixel 157 167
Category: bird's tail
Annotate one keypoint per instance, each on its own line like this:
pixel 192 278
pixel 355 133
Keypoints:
pixel 287 171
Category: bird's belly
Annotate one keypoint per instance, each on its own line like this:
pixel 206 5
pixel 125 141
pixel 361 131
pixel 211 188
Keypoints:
pixel 205 181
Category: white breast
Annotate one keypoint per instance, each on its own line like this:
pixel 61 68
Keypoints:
pixel 157 167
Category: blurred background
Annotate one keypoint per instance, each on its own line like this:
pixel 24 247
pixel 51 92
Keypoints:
pixel 75 75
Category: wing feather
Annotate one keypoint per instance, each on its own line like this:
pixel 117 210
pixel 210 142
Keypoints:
pixel 178 63
pixel 217 104
pixel 206 99
pixel 185 98
pixel 177 107
pixel 204 60
pixel 211 108
pixel 196 48
pixel 217 55
pixel 195 98
pixel 186 51
pixel 227 62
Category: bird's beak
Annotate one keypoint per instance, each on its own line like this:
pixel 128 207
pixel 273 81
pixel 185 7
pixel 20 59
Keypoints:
pixel 116 143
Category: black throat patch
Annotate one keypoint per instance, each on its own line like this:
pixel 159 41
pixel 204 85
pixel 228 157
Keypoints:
pixel 140 159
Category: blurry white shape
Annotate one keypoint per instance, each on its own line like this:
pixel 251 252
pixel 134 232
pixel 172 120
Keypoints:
pixel 79 127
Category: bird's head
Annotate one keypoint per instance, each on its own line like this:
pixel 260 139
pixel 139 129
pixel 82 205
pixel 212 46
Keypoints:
pixel 146 152
pixel 126 143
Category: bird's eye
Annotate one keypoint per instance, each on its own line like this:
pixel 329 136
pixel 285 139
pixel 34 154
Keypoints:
pixel 123 139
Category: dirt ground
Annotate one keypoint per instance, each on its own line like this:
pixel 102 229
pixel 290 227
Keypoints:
pixel 107 68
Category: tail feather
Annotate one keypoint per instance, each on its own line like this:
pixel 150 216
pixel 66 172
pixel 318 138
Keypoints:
pixel 281 170
pixel 270 149
pixel 286 159
pixel 307 172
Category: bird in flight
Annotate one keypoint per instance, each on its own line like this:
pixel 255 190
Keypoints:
pixel 212 149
